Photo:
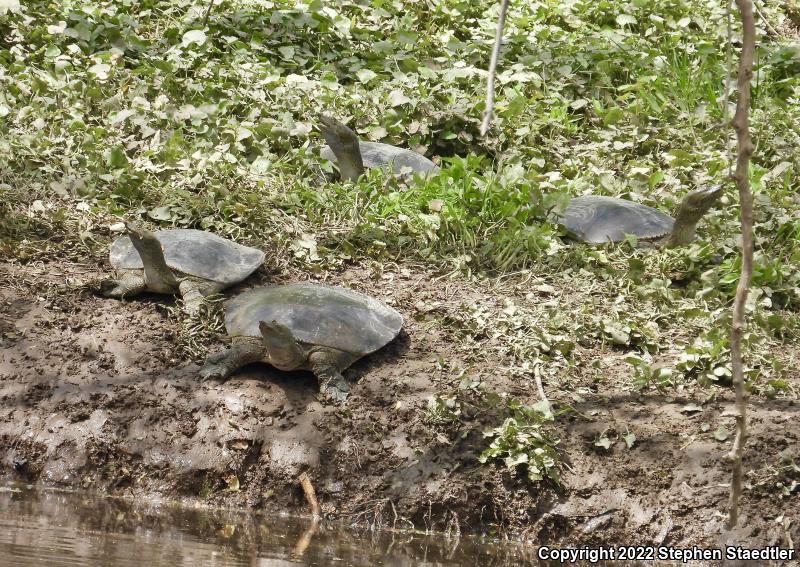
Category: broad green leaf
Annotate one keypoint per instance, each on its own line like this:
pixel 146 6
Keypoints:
pixel 9 6
pixel 613 115
pixel 197 37
pixel 163 213
pixel 625 19
pixel 365 75
pixel 578 103
pixel 117 158
pixel 397 98
pixel 603 442
pixel 407 37
pixel 100 70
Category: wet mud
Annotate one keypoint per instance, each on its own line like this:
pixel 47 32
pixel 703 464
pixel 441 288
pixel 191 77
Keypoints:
pixel 94 395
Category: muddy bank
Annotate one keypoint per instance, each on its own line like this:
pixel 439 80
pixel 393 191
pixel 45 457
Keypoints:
pixel 95 395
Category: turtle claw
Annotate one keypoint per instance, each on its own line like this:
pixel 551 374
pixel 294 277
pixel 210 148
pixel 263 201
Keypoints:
pixel 213 369
pixel 211 374
pixel 111 288
pixel 335 391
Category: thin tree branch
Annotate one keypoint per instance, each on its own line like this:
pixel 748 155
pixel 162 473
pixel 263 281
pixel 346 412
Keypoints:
pixel 740 124
pixel 775 32
pixel 727 98
pixel 208 12
pixel 498 41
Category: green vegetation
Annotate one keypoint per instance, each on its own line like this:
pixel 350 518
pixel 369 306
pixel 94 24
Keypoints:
pixel 522 442
pixel 116 108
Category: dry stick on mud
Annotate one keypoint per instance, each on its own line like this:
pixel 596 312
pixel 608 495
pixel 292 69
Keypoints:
pixel 746 208
pixel 498 41
pixel 537 375
pixel 311 497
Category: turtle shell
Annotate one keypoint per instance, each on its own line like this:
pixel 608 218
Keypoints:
pixel 316 314
pixel 375 154
pixel 597 219
pixel 195 253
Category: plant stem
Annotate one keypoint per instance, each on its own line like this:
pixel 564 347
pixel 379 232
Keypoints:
pixel 498 41
pixel 208 12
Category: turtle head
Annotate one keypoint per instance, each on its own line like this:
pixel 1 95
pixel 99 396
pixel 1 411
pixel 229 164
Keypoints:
pixel 343 142
pixel 283 351
pixel 695 204
pixel 701 200
pixel 139 235
pixel 158 275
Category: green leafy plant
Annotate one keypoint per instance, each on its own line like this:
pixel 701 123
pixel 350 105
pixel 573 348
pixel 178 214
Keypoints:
pixel 707 358
pixel 523 441
pixel 442 410
pixel 645 375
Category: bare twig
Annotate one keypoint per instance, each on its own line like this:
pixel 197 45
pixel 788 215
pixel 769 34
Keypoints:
pixel 740 124
pixel 727 97
pixel 775 32
pixel 208 12
pixel 311 497
pixel 537 375
pixel 498 41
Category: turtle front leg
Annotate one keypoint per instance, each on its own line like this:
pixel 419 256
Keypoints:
pixel 325 365
pixel 222 364
pixel 193 292
pixel 128 284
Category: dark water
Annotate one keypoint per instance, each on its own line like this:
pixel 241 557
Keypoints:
pixel 55 529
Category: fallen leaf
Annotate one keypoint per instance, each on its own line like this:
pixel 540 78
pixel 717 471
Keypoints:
pixel 603 442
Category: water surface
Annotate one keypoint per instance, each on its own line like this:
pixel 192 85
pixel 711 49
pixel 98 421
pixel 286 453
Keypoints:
pixel 55 529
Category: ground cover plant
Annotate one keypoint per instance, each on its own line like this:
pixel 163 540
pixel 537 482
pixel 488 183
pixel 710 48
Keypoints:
pixel 136 109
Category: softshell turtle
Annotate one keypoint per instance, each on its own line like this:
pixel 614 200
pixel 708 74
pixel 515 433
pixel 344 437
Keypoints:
pixel 191 262
pixel 353 156
pixel 304 326
pixel 606 219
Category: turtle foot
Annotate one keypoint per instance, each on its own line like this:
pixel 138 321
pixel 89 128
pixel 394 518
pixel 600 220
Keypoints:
pixel 112 288
pixel 213 372
pixel 335 391
pixel 192 308
pixel 125 286
pixel 215 368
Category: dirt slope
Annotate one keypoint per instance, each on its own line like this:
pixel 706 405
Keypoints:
pixel 95 395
